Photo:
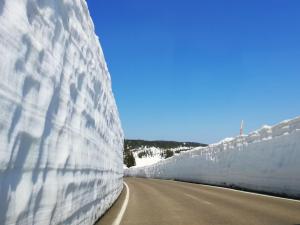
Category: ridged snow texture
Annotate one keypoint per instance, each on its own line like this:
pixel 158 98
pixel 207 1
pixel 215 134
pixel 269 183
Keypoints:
pixel 266 160
pixel 60 136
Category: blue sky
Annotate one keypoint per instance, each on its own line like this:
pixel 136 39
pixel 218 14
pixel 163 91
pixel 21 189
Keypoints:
pixel 192 70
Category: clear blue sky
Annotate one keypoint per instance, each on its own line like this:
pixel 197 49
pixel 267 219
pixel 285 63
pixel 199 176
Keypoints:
pixel 192 70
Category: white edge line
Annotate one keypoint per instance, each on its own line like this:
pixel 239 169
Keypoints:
pixel 253 193
pixel 236 190
pixel 119 218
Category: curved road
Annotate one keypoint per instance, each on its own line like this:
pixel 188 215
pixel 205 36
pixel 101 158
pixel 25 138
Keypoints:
pixel 160 202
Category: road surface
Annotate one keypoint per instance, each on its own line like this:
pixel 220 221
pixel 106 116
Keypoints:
pixel 160 202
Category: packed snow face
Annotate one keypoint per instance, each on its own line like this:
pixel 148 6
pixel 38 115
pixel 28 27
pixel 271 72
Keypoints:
pixel 266 160
pixel 61 140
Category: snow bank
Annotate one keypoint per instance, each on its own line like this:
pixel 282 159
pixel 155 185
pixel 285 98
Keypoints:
pixel 266 160
pixel 60 136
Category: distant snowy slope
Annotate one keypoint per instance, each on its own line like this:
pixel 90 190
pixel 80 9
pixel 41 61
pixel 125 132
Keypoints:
pixel 147 155
pixel 149 152
pixel 266 160
pixel 61 139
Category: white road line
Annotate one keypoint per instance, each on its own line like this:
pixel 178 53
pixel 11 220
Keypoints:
pixel 119 218
pixel 245 192
pixel 197 199
pixel 253 193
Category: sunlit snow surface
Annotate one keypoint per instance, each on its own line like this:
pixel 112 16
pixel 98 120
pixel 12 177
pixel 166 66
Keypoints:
pixel 266 160
pixel 60 136
pixel 156 154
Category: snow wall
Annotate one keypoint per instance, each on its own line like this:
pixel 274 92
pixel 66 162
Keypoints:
pixel 267 160
pixel 61 140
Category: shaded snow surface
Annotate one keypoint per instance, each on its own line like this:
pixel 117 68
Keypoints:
pixel 266 160
pixel 61 139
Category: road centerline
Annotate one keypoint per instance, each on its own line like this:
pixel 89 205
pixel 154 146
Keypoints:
pixel 197 199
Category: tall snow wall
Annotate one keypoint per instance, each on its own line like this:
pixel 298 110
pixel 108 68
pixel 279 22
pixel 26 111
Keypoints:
pixel 267 160
pixel 61 139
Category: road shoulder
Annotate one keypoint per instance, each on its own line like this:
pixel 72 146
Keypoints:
pixel 110 215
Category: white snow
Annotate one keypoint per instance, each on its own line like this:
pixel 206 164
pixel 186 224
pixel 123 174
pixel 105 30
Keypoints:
pixel 148 159
pixel 61 139
pixel 265 160
pixel 155 155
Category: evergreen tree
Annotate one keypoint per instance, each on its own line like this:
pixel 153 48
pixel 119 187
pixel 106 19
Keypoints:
pixel 129 159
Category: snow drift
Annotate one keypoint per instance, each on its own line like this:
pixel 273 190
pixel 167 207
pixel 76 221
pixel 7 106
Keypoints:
pixel 266 160
pixel 61 140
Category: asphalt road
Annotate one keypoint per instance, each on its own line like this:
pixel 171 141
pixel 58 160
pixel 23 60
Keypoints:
pixel 160 202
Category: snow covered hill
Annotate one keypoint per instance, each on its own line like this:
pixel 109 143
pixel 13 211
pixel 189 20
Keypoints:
pixel 149 152
pixel 61 141
pixel 265 160
pixel 146 155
